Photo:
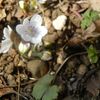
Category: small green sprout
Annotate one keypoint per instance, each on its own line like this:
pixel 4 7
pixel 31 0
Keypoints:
pixel 88 17
pixel 92 54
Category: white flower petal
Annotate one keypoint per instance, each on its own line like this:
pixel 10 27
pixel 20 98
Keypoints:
pixel 9 28
pixel 20 29
pixel 6 33
pixel 5 46
pixel 26 21
pixel 36 40
pixel 42 30
pixel 21 4
pixel 23 29
pixel 26 37
pixel 36 20
pixel 6 43
pixel 41 1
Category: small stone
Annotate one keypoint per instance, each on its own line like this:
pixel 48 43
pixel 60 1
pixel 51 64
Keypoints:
pixel 55 13
pixel 72 79
pixel 85 60
pixel 23 77
pixel 16 60
pixel 9 68
pixel 59 22
pixel 12 53
pixel 11 80
pixel 50 39
pixel 21 63
pixel 1 68
pixel 38 68
pixel 9 59
pixel 47 13
pixel 64 8
pixel 82 69
pixel 46 56
pixel 61 57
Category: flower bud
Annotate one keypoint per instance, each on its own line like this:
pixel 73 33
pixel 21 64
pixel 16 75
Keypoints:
pixel 23 47
pixel 21 4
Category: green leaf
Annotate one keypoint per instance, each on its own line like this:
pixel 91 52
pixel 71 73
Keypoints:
pixel 88 17
pixel 38 91
pixel 52 93
pixel 41 86
pixel 94 15
pixel 46 80
pixel 92 54
pixel 85 23
pixel 86 14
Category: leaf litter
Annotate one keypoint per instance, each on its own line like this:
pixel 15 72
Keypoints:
pixel 61 63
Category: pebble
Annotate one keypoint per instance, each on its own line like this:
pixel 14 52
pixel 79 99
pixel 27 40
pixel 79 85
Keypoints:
pixel 11 80
pixel 82 69
pixel 59 22
pixel 37 67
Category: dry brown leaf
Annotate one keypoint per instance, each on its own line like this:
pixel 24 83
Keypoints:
pixel 93 84
pixel 2 14
pixel 95 4
pixel 97 23
pixel 5 91
pixel 90 32
pixel 47 22
pixel 1 1
pixel 19 13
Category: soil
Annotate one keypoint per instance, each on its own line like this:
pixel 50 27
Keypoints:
pixel 79 78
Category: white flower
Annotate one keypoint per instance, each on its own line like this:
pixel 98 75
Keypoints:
pixel 23 47
pixel 41 1
pixel 59 22
pixel 31 30
pixel 6 43
pixel 21 4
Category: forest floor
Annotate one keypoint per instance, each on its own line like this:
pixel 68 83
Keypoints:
pixel 69 52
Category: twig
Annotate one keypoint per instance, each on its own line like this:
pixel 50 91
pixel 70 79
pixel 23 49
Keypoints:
pixel 69 57
pixel 18 84
pixel 13 86
pixel 14 92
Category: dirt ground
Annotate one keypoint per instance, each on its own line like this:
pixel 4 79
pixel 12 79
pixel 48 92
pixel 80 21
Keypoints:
pixel 75 73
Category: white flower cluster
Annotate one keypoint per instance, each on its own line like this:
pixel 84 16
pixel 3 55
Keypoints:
pixel 31 31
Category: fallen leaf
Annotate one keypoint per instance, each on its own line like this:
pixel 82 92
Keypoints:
pixel 5 91
pixel 95 4
pixel 93 84
pixel 2 14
